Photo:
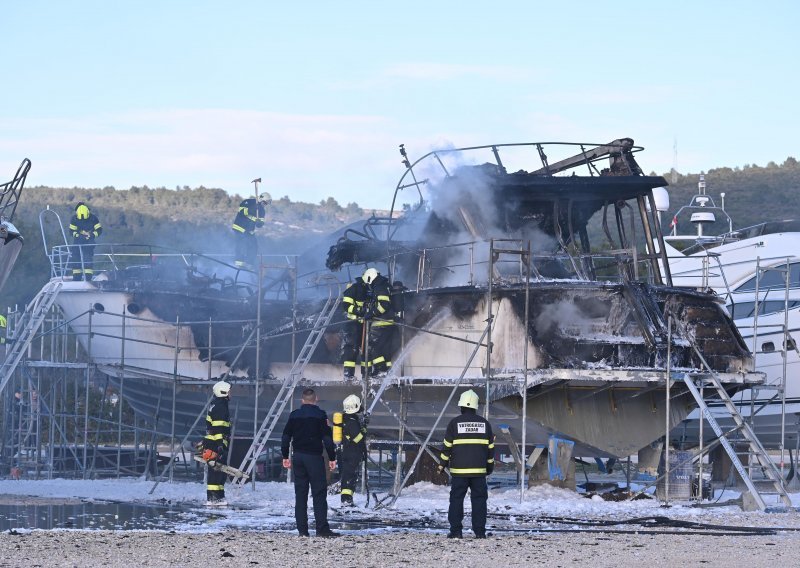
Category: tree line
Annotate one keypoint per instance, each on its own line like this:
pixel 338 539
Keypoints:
pixel 199 219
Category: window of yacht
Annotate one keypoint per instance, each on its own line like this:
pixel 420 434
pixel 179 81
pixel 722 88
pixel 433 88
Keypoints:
pixel 773 279
pixel 742 310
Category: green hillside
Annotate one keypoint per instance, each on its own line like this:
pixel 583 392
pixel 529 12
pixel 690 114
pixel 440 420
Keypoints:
pixel 199 219
pixel 196 220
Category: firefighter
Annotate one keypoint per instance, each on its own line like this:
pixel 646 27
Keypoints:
pixel 367 299
pixel 354 447
pixel 85 228
pixel 3 331
pixel 469 454
pixel 250 217
pixel 215 443
pixel 307 432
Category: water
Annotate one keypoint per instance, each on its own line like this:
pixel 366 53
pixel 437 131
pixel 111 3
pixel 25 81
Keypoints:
pixel 94 516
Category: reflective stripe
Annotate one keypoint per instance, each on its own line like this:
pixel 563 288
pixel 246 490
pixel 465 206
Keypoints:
pixel 350 364
pixel 444 457
pixel 484 441
pixel 358 438
pixel 448 444
pixel 88 270
pixel 388 363
pixel 491 446
pixel 490 461
pixel 381 309
pixel 73 227
pixel 219 423
pixel 214 436
pixel 236 227
pixel 215 487
pixel 348 300
pixel 347 491
pixel 377 360
pixel 384 299
pixel 469 470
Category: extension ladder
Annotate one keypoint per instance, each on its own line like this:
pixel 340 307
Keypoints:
pixel 32 318
pixel 288 386
pixel 755 449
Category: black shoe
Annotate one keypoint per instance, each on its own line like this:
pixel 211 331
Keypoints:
pixel 453 534
pixel 303 533
pixel 328 534
pixel 480 535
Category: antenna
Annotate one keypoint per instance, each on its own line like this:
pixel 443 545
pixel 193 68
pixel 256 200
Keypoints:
pixel 674 177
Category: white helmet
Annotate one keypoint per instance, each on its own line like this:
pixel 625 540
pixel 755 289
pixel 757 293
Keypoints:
pixel 222 389
pixel 351 404
pixel 469 399
pixel 370 274
pixel 265 198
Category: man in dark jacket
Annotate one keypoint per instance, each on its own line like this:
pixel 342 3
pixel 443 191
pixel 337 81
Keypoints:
pixel 469 453
pixel 368 299
pixel 215 442
pixel 249 217
pixel 307 431
pixel 85 228
pixel 354 447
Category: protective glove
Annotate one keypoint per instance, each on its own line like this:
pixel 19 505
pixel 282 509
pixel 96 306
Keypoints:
pixel 489 468
pixel 441 467
pixel 366 420
pixel 259 224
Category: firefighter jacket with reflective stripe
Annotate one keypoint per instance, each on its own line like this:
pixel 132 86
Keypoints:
pixel 251 215
pixel 85 231
pixel 218 425
pixel 308 431
pixel 468 445
pixel 371 300
pixel 354 434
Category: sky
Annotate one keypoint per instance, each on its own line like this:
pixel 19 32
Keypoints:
pixel 315 97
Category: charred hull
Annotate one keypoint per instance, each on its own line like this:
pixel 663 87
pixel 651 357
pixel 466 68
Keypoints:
pixel 596 354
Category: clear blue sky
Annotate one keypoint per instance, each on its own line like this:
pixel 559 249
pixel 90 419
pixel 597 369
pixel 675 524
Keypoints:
pixel 314 97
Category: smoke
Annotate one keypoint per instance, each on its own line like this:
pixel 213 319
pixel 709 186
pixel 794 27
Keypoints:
pixel 560 313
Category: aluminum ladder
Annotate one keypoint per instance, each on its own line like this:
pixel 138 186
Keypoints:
pixel 288 386
pixel 32 318
pixel 756 450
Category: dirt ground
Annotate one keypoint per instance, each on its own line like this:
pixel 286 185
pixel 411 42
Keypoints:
pixel 252 548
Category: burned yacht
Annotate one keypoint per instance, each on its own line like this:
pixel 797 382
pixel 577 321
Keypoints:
pixel 10 239
pixel 541 288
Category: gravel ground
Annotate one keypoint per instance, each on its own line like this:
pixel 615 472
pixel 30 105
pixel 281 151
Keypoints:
pixel 235 548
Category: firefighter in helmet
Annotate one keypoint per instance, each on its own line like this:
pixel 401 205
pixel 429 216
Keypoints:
pixel 215 443
pixel 354 447
pixel 250 217
pixel 469 454
pixel 3 331
pixel 85 228
pixel 368 299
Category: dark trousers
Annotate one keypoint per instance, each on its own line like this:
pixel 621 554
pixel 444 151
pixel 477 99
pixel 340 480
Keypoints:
pixel 351 346
pixel 309 470
pixel 380 347
pixel 478 493
pixel 82 261
pixel 349 465
pixel 246 250
pixel 215 489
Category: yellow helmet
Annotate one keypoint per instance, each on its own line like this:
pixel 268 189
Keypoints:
pixel 469 399
pixel 82 211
